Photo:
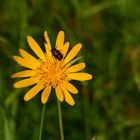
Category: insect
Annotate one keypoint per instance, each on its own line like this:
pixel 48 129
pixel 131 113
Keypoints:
pixel 57 54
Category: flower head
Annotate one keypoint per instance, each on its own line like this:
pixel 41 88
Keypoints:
pixel 52 69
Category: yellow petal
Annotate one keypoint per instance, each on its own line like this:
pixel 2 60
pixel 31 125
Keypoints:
pixel 47 46
pixel 68 97
pixel 45 95
pixel 77 67
pixel 32 92
pixel 71 88
pixel 29 57
pixel 48 51
pixel 35 47
pixel 59 93
pixel 25 73
pixel 25 83
pixel 74 51
pixel 60 41
pixel 80 76
pixel 23 62
pixel 65 49
pixel 47 40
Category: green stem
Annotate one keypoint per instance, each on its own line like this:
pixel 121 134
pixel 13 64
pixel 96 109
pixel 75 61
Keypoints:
pixel 60 120
pixel 42 119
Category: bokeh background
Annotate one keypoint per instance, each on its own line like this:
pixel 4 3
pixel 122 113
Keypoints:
pixel 108 106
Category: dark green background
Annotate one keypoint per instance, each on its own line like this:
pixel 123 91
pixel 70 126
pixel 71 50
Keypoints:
pixel 107 106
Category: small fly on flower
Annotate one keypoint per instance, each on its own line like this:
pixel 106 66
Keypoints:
pixel 57 54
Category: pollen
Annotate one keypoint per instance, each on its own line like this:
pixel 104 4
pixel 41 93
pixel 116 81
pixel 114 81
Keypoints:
pixel 52 73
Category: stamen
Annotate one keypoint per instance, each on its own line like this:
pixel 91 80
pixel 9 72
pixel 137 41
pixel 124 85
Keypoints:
pixel 51 73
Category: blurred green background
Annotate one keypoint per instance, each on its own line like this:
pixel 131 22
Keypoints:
pixel 108 106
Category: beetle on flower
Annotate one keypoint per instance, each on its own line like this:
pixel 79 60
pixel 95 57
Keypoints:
pixel 47 72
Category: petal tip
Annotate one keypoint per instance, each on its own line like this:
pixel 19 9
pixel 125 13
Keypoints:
pixel 15 85
pixel 43 102
pixel 76 92
pixel 61 100
pixel 61 31
pixel 14 57
pixel 84 65
pixel 13 76
pixel 90 76
pixel 29 38
pixel 80 45
pixel 72 104
pixel 21 50
pixel 25 98
pixel 45 34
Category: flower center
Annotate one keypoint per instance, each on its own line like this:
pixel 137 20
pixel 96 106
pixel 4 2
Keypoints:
pixel 52 73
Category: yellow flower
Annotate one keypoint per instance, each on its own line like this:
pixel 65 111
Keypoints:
pixel 47 71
